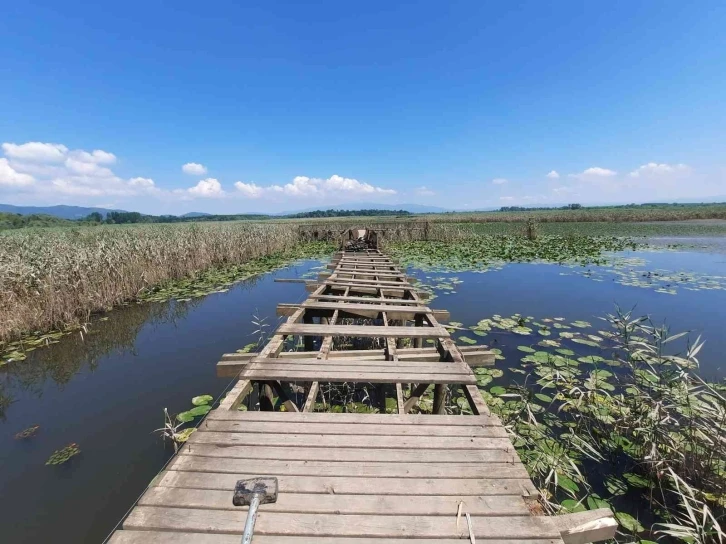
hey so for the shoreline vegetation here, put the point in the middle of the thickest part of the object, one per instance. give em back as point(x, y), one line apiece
point(571, 213)
point(53, 280)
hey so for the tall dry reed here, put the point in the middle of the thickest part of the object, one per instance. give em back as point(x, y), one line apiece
point(52, 278)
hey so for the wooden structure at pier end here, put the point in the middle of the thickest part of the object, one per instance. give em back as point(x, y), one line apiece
point(354, 478)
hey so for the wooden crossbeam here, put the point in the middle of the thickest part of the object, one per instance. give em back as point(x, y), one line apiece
point(361, 331)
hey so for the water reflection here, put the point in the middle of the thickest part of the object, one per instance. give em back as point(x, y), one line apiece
point(82, 350)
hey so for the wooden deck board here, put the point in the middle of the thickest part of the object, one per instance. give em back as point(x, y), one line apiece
point(361, 331)
point(176, 537)
point(299, 524)
point(502, 505)
point(348, 478)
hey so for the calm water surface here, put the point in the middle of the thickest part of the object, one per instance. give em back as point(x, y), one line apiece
point(107, 391)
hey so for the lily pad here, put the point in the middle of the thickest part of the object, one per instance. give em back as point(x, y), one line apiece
point(201, 400)
point(636, 480)
point(467, 340)
point(581, 324)
point(629, 522)
point(497, 390)
point(615, 485)
point(526, 349)
point(565, 351)
point(184, 435)
point(200, 410)
point(184, 417)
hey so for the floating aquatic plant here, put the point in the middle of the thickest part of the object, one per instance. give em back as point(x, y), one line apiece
point(63, 455)
point(27, 433)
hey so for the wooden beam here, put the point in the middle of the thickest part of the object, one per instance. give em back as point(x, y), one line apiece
point(416, 394)
point(312, 395)
point(399, 399)
point(360, 331)
point(584, 527)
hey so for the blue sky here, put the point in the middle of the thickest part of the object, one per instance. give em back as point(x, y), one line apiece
point(289, 105)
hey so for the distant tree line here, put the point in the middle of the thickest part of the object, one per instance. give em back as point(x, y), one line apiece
point(346, 213)
point(522, 209)
point(123, 218)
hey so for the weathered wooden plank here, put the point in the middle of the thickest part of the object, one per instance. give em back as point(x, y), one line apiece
point(347, 441)
point(372, 429)
point(335, 279)
point(176, 537)
point(399, 399)
point(502, 505)
point(353, 454)
point(231, 366)
point(269, 467)
point(404, 353)
point(477, 404)
point(583, 527)
point(346, 364)
point(374, 299)
point(277, 523)
point(345, 272)
point(350, 486)
point(354, 307)
point(312, 395)
point(360, 331)
point(374, 376)
point(236, 395)
point(377, 419)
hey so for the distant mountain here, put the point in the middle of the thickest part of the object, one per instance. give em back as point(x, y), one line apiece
point(64, 212)
point(411, 208)
point(196, 214)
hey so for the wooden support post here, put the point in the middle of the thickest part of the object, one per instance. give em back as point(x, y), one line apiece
point(308, 341)
point(399, 399)
point(312, 395)
point(236, 395)
point(418, 322)
point(416, 394)
point(290, 406)
point(439, 398)
point(266, 397)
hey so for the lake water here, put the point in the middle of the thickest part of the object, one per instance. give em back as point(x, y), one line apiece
point(106, 392)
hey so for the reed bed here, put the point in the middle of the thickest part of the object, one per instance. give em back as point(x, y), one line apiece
point(55, 278)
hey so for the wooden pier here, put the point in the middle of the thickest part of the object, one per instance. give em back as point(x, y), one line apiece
point(355, 478)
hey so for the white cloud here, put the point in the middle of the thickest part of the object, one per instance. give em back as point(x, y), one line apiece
point(97, 156)
point(553, 175)
point(194, 168)
point(10, 177)
point(53, 169)
point(207, 188)
point(250, 190)
point(303, 186)
point(500, 181)
point(141, 182)
point(424, 191)
point(654, 169)
point(595, 172)
point(35, 151)
point(506, 198)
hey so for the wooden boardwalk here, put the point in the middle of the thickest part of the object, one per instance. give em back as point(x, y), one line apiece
point(354, 478)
